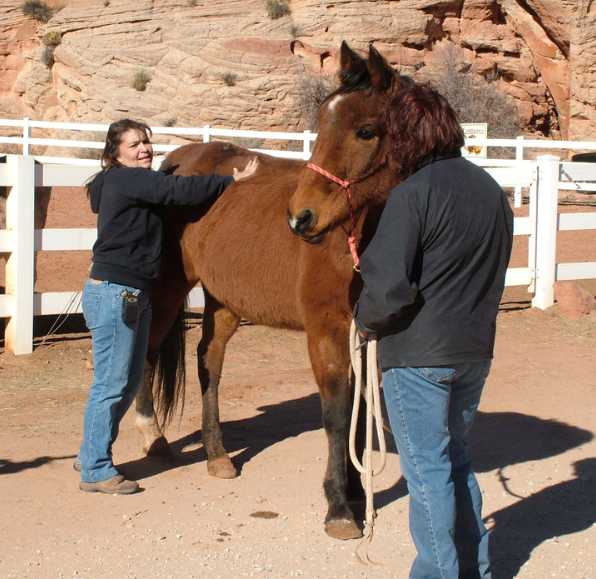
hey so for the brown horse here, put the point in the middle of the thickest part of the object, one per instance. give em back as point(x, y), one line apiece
point(252, 267)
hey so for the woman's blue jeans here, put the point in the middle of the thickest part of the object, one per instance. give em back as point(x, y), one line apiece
point(431, 411)
point(119, 352)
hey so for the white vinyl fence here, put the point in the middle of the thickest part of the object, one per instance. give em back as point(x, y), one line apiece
point(20, 240)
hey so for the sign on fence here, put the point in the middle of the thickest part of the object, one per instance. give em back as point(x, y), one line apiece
point(475, 131)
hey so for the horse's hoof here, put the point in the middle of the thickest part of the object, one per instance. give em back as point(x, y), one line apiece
point(221, 467)
point(159, 448)
point(343, 529)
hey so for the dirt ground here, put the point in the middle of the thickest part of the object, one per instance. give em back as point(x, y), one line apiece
point(533, 445)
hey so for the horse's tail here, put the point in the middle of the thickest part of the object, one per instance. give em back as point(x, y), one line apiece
point(171, 371)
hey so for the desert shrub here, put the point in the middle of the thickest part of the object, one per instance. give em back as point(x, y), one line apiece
point(312, 91)
point(52, 38)
point(170, 122)
point(37, 9)
point(476, 99)
point(277, 8)
point(192, 2)
point(47, 56)
point(295, 31)
point(140, 80)
point(229, 78)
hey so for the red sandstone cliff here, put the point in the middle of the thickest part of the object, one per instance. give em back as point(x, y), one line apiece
point(227, 63)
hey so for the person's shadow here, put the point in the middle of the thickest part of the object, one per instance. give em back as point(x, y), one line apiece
point(561, 509)
point(502, 439)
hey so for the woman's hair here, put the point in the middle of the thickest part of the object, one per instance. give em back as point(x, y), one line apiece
point(421, 125)
point(114, 138)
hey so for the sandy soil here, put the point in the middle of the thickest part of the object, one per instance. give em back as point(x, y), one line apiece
point(533, 446)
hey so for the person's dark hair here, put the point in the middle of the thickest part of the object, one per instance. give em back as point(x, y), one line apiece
point(114, 138)
point(421, 125)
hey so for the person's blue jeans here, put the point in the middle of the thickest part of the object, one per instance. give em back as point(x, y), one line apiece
point(431, 411)
point(119, 351)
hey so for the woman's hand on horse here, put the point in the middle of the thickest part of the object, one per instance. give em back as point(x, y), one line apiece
point(248, 171)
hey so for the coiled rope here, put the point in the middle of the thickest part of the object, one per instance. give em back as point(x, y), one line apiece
point(373, 410)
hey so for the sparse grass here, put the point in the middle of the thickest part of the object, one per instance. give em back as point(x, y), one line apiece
point(37, 10)
point(52, 38)
point(312, 91)
point(277, 8)
point(229, 78)
point(140, 80)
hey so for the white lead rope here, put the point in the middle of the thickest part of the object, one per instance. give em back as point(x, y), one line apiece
point(373, 409)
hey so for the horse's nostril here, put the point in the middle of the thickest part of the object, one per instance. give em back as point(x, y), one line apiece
point(304, 221)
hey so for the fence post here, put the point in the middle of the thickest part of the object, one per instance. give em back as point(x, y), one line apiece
point(546, 231)
point(26, 136)
point(306, 145)
point(20, 211)
point(206, 136)
point(519, 156)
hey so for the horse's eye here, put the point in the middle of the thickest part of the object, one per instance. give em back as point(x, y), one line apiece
point(365, 133)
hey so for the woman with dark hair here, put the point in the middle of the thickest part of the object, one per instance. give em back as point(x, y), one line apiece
point(433, 277)
point(127, 196)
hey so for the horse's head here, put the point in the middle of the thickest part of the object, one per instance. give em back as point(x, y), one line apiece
point(351, 146)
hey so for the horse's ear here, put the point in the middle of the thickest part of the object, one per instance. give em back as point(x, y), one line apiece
point(353, 69)
point(381, 73)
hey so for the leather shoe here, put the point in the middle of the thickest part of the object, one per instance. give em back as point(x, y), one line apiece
point(117, 485)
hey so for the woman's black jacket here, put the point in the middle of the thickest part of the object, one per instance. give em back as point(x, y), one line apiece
point(434, 271)
point(129, 226)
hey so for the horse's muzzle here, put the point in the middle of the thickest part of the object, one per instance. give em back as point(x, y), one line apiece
point(302, 223)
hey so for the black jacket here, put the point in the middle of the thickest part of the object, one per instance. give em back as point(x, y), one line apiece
point(129, 226)
point(434, 271)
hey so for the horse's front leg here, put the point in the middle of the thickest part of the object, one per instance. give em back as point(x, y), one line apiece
point(219, 324)
point(330, 361)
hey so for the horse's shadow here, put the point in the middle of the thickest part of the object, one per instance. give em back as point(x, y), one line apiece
point(244, 438)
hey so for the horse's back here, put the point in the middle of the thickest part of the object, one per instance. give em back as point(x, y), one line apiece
point(242, 250)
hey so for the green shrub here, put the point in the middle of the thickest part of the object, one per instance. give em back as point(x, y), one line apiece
point(229, 78)
point(277, 8)
point(52, 38)
point(140, 80)
point(37, 9)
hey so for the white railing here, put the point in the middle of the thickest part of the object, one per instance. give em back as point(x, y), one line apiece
point(20, 240)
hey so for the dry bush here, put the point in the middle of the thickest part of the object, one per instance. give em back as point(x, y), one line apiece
point(312, 91)
point(47, 56)
point(474, 98)
point(37, 10)
point(229, 78)
point(277, 8)
point(140, 80)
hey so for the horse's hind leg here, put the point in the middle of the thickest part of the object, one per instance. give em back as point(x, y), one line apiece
point(329, 356)
point(167, 303)
point(219, 325)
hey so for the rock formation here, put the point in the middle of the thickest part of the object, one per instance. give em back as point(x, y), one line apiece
point(229, 64)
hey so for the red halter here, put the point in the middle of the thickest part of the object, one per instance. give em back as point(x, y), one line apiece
point(352, 240)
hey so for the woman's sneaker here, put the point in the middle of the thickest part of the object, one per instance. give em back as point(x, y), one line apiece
point(117, 485)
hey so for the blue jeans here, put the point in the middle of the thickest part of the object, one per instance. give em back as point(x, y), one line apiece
point(119, 352)
point(431, 411)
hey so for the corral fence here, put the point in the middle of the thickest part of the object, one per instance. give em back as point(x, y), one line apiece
point(542, 178)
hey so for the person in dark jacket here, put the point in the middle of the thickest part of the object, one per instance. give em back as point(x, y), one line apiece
point(127, 196)
point(433, 276)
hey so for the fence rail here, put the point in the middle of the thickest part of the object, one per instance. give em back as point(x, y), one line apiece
point(20, 240)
